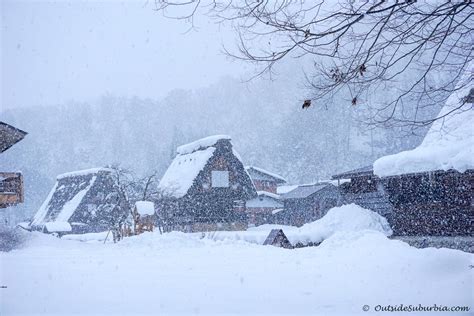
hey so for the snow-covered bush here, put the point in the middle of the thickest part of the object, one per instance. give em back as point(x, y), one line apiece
point(10, 238)
point(346, 218)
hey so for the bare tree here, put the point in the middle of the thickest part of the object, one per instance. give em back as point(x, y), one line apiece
point(418, 49)
point(128, 189)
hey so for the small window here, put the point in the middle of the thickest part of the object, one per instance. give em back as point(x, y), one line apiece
point(220, 179)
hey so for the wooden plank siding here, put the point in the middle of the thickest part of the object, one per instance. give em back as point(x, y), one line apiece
point(11, 189)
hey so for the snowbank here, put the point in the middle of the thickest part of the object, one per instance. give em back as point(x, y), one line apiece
point(346, 218)
point(449, 143)
point(201, 144)
point(90, 237)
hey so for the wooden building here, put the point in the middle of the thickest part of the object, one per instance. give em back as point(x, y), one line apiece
point(260, 209)
point(205, 188)
point(11, 189)
point(265, 180)
point(11, 183)
point(362, 187)
point(81, 202)
point(435, 203)
point(307, 203)
point(430, 203)
point(431, 186)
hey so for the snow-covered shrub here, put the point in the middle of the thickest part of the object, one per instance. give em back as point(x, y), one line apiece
point(346, 218)
point(10, 238)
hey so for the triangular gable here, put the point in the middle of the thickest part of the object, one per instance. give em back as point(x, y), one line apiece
point(9, 136)
point(262, 174)
point(278, 238)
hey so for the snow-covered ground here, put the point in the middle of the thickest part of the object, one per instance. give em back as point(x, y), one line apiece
point(181, 273)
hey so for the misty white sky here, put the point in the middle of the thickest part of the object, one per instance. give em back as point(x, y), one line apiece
point(56, 51)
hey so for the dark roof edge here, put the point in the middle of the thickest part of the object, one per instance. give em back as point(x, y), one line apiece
point(15, 128)
point(364, 171)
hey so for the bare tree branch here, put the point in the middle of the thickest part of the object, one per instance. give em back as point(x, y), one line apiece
point(420, 47)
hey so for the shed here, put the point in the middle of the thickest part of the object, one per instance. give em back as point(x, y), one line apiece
point(144, 216)
point(278, 238)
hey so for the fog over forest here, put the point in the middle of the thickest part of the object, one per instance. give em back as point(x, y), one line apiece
point(264, 118)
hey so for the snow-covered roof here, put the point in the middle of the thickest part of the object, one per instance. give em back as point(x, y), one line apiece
point(84, 172)
point(24, 225)
point(58, 226)
point(252, 169)
point(269, 194)
point(201, 144)
point(304, 191)
point(191, 159)
point(63, 199)
point(276, 211)
point(282, 189)
point(145, 207)
point(180, 175)
point(449, 143)
point(364, 171)
point(265, 199)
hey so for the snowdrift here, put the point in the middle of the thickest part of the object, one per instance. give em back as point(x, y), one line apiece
point(346, 218)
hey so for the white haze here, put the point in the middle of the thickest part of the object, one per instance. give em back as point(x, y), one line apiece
point(57, 51)
point(151, 100)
